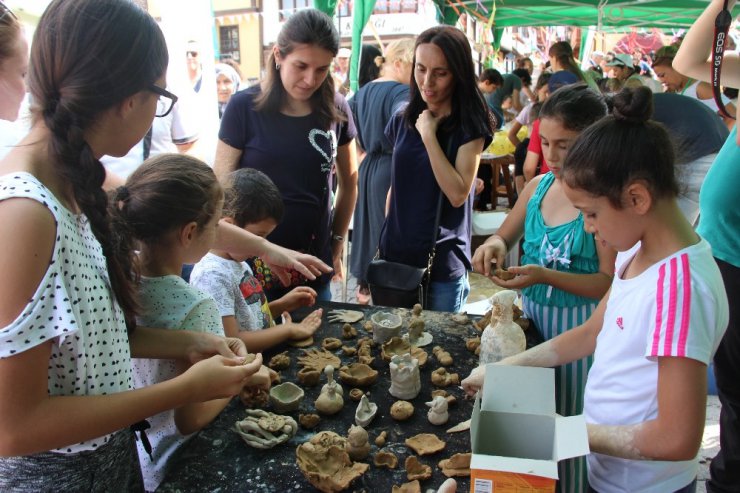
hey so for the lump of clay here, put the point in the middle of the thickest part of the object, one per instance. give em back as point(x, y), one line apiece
point(505, 338)
point(309, 421)
point(368, 326)
point(348, 332)
point(385, 326)
point(473, 345)
point(397, 346)
point(330, 400)
point(279, 361)
point(349, 351)
point(346, 316)
point(254, 397)
point(405, 379)
point(438, 414)
point(365, 412)
point(309, 377)
point(416, 310)
point(410, 487)
point(380, 439)
point(318, 359)
point(460, 318)
point(417, 470)
point(263, 430)
point(441, 378)
point(358, 446)
point(301, 343)
point(364, 351)
point(358, 375)
point(402, 410)
point(286, 397)
point(356, 394)
point(324, 461)
point(444, 358)
point(385, 459)
point(504, 274)
point(457, 465)
point(331, 343)
point(425, 444)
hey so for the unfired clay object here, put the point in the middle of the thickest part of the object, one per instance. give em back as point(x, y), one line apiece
point(504, 338)
point(302, 342)
point(356, 394)
point(473, 345)
point(330, 400)
point(385, 326)
point(279, 361)
point(441, 378)
point(464, 426)
point(309, 377)
point(410, 487)
point(324, 461)
point(444, 358)
point(416, 310)
point(504, 274)
point(385, 459)
point(451, 399)
point(425, 444)
point(405, 380)
point(365, 412)
point(402, 410)
point(348, 332)
point(331, 383)
point(358, 446)
point(318, 359)
point(396, 345)
point(349, 351)
point(263, 430)
point(364, 351)
point(286, 397)
point(309, 421)
point(368, 326)
point(417, 470)
point(438, 414)
point(380, 439)
point(416, 335)
point(358, 375)
point(457, 465)
point(254, 397)
point(460, 318)
point(346, 316)
point(331, 343)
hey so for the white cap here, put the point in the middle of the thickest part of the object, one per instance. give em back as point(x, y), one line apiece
point(344, 53)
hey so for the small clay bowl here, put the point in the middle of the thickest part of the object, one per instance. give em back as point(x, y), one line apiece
point(286, 397)
point(385, 326)
point(358, 375)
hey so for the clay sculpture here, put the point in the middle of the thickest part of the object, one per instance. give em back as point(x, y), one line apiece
point(405, 380)
point(444, 358)
point(318, 359)
point(349, 351)
point(385, 459)
point(263, 430)
point(402, 410)
point(345, 316)
point(473, 345)
point(330, 400)
point(331, 383)
point(325, 463)
point(460, 318)
point(309, 377)
point(309, 421)
point(504, 338)
point(380, 439)
point(451, 399)
point(385, 326)
point(457, 465)
point(368, 326)
point(438, 414)
point(356, 394)
point(425, 444)
point(396, 345)
point(358, 375)
point(441, 378)
point(254, 397)
point(358, 446)
point(416, 310)
point(365, 412)
point(286, 397)
point(417, 470)
point(416, 335)
point(364, 351)
point(348, 332)
point(279, 361)
point(331, 343)
point(410, 487)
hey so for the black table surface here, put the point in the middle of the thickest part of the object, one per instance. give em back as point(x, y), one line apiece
point(217, 459)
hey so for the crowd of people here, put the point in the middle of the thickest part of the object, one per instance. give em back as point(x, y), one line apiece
point(629, 264)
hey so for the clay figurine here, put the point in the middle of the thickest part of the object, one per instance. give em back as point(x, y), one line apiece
point(324, 461)
point(348, 332)
point(441, 378)
point(504, 338)
point(358, 446)
point(330, 400)
point(438, 414)
point(385, 326)
point(365, 412)
point(263, 430)
point(345, 316)
point(402, 410)
point(416, 335)
point(444, 358)
point(405, 381)
point(330, 382)
point(416, 310)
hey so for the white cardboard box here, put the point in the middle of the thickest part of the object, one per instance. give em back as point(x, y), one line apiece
point(516, 436)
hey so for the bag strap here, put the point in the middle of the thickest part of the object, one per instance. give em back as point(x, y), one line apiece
point(448, 152)
point(721, 27)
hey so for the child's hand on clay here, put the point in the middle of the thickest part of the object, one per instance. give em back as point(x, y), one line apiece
point(306, 327)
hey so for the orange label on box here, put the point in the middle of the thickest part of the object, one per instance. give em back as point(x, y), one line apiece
point(485, 481)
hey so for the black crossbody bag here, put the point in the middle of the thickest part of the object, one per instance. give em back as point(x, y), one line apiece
point(402, 285)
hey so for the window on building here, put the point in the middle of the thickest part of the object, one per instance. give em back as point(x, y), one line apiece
point(229, 43)
point(289, 7)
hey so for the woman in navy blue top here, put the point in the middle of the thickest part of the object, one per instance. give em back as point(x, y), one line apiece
point(296, 129)
point(446, 114)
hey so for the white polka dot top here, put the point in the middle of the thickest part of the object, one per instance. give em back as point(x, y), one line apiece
point(73, 307)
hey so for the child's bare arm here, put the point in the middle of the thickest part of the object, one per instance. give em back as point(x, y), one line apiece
point(295, 298)
point(260, 340)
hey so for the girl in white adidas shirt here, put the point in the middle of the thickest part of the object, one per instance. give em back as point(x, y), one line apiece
point(659, 325)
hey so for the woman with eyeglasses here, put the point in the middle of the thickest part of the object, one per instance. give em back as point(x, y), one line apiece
point(296, 129)
point(67, 301)
point(13, 68)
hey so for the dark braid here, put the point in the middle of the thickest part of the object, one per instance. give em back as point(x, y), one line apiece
point(87, 57)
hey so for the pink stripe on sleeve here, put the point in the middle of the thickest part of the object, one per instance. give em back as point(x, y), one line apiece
point(672, 298)
point(659, 311)
point(685, 306)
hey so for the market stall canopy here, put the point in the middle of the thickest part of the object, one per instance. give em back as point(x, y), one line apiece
point(604, 13)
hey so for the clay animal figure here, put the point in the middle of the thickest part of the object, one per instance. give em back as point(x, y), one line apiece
point(365, 412)
point(504, 338)
point(358, 446)
point(405, 380)
point(438, 414)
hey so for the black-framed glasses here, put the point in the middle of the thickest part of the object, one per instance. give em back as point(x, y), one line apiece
point(6, 12)
point(165, 102)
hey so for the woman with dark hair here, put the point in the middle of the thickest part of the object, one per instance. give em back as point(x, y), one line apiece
point(437, 143)
point(371, 60)
point(565, 68)
point(13, 68)
point(296, 129)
